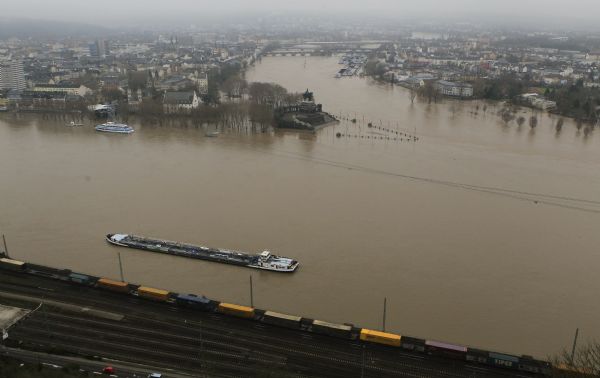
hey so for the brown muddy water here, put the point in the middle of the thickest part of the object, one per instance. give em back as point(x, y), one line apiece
point(478, 233)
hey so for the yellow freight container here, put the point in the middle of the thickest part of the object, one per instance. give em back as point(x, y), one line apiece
point(154, 294)
point(106, 283)
point(380, 337)
point(236, 310)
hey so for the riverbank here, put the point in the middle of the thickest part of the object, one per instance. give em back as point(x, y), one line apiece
point(575, 101)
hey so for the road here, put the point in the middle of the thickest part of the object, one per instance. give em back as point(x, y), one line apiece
point(122, 369)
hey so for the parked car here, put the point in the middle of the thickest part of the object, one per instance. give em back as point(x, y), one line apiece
point(108, 370)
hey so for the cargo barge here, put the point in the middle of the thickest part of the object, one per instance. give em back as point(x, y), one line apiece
point(265, 260)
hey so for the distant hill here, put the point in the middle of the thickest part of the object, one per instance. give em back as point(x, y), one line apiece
point(44, 29)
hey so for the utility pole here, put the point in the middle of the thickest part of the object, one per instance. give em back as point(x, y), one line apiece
point(362, 365)
point(251, 293)
point(121, 267)
point(5, 249)
point(574, 345)
point(45, 316)
point(384, 310)
point(202, 351)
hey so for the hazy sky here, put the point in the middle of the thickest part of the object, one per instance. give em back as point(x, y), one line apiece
point(105, 11)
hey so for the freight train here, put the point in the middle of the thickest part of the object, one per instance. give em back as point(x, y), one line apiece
point(525, 364)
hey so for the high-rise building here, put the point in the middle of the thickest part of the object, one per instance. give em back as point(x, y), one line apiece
point(12, 75)
point(99, 49)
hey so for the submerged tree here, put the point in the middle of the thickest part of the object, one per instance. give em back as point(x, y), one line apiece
point(520, 120)
point(429, 92)
point(412, 93)
point(559, 124)
point(533, 121)
point(506, 115)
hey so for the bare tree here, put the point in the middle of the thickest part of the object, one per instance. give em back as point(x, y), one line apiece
point(234, 86)
point(152, 107)
point(533, 121)
point(267, 93)
point(112, 94)
point(429, 92)
point(559, 124)
point(506, 115)
point(292, 98)
point(585, 361)
point(412, 93)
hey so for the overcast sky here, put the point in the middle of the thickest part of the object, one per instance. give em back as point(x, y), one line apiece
point(107, 11)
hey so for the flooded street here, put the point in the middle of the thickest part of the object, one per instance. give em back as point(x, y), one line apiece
point(477, 233)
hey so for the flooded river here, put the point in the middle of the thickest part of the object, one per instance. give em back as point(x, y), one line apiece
point(478, 233)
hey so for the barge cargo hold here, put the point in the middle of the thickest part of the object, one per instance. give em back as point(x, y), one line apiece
point(265, 260)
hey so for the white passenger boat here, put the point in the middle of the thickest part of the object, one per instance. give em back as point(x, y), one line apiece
point(112, 127)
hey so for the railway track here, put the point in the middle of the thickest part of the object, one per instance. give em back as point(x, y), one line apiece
point(149, 342)
point(190, 340)
point(156, 341)
point(81, 331)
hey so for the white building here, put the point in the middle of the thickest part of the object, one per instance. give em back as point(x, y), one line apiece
point(448, 88)
point(180, 102)
point(202, 82)
point(537, 101)
point(72, 89)
point(12, 75)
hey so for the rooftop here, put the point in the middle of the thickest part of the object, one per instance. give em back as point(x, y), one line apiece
point(186, 97)
point(63, 85)
point(453, 84)
point(10, 315)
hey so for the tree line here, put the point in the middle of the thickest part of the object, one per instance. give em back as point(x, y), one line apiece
point(576, 101)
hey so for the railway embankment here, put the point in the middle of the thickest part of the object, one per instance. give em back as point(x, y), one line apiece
point(83, 315)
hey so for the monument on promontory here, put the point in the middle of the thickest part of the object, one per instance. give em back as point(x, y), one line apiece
point(304, 115)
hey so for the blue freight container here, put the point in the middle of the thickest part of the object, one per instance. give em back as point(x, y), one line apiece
point(79, 278)
point(504, 360)
point(192, 300)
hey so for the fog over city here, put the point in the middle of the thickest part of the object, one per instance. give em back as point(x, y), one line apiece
point(108, 12)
